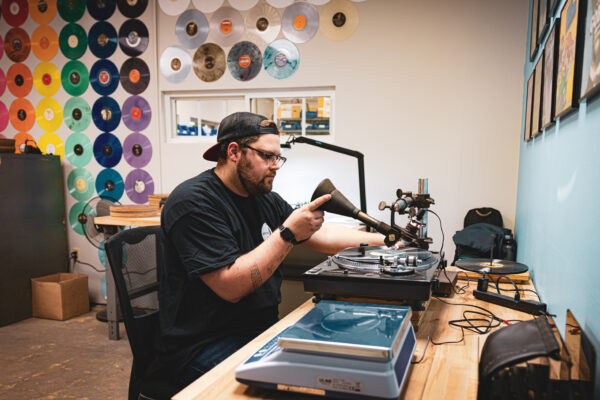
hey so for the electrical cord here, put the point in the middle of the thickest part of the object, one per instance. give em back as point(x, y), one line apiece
point(424, 351)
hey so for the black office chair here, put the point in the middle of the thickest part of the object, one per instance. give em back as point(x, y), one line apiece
point(134, 255)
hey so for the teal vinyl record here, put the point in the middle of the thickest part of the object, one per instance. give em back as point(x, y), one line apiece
point(281, 59)
point(110, 185)
point(78, 216)
point(80, 183)
point(71, 10)
point(72, 41)
point(78, 149)
point(75, 78)
point(77, 114)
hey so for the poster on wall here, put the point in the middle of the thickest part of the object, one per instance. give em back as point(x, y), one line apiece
point(534, 24)
point(527, 133)
point(590, 72)
point(549, 85)
point(543, 19)
point(537, 97)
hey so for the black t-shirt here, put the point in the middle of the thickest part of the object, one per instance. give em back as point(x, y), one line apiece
point(205, 226)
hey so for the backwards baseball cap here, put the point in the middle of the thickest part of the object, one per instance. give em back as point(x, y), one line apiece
point(239, 125)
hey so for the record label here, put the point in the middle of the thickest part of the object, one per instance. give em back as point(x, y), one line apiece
point(101, 9)
point(77, 114)
point(134, 75)
point(244, 61)
point(21, 114)
point(75, 78)
point(72, 41)
point(138, 185)
point(207, 6)
point(132, 8)
point(46, 79)
point(339, 20)
point(42, 11)
point(80, 184)
point(209, 62)
point(137, 150)
point(3, 116)
point(78, 216)
point(175, 64)
point(107, 150)
point(17, 44)
point(15, 11)
point(104, 77)
point(19, 80)
point(102, 39)
point(109, 185)
point(23, 139)
point(136, 113)
point(281, 59)
point(44, 43)
point(133, 37)
point(300, 22)
point(51, 143)
point(264, 22)
point(78, 149)
point(191, 29)
point(226, 26)
point(106, 114)
point(70, 10)
point(49, 114)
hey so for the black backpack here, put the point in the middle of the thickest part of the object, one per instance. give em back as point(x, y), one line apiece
point(486, 215)
point(481, 240)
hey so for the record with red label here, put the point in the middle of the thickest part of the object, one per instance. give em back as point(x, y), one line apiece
point(17, 44)
point(133, 37)
point(300, 22)
point(138, 185)
point(21, 115)
point(15, 11)
point(46, 79)
point(104, 77)
point(244, 61)
point(42, 11)
point(19, 80)
point(136, 113)
point(226, 26)
point(137, 150)
point(106, 114)
point(135, 75)
point(44, 43)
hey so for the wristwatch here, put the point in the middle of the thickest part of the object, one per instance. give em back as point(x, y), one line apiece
point(288, 235)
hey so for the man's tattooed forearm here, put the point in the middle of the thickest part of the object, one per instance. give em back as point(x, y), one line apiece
point(255, 276)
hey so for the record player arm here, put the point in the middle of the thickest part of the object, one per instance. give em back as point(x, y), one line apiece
point(332, 238)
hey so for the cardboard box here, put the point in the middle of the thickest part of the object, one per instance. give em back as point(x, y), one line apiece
point(60, 296)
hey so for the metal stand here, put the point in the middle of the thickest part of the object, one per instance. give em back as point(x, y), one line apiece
point(112, 301)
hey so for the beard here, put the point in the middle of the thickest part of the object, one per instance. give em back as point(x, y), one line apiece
point(253, 185)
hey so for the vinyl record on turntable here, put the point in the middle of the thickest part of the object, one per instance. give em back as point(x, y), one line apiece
point(136, 113)
point(137, 150)
point(133, 37)
point(102, 39)
point(300, 22)
point(281, 59)
point(264, 21)
point(21, 140)
point(107, 150)
point(403, 261)
point(19, 80)
point(78, 149)
point(72, 41)
point(243, 5)
point(101, 9)
point(46, 79)
point(15, 11)
point(191, 29)
point(49, 114)
point(494, 266)
point(134, 75)
point(106, 114)
point(71, 10)
point(51, 143)
point(77, 114)
point(17, 44)
point(173, 7)
point(226, 26)
point(175, 64)
point(132, 8)
point(339, 20)
point(104, 77)
point(109, 185)
point(44, 43)
point(244, 61)
point(75, 78)
point(138, 185)
point(21, 115)
point(80, 183)
point(42, 11)
point(207, 6)
point(3, 116)
point(209, 62)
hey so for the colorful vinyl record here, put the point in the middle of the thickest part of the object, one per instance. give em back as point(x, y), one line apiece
point(15, 12)
point(80, 183)
point(44, 43)
point(107, 150)
point(1, 47)
point(175, 64)
point(42, 11)
point(191, 29)
point(23, 139)
point(101, 9)
point(281, 59)
point(46, 79)
point(135, 75)
point(226, 26)
point(71, 10)
point(207, 6)
point(132, 8)
point(300, 22)
point(137, 150)
point(78, 216)
point(133, 37)
point(21, 115)
point(19, 80)
point(75, 78)
point(339, 20)
point(264, 22)
point(109, 185)
point(17, 44)
point(102, 39)
point(78, 149)
point(243, 5)
point(136, 113)
point(244, 61)
point(104, 77)
point(51, 143)
point(138, 185)
point(72, 41)
point(173, 7)
point(77, 114)
point(106, 114)
point(2, 82)
point(49, 114)
point(209, 62)
point(280, 3)
point(3, 116)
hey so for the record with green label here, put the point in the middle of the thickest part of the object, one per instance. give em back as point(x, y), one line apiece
point(71, 10)
point(80, 183)
point(77, 114)
point(78, 149)
point(72, 41)
point(75, 78)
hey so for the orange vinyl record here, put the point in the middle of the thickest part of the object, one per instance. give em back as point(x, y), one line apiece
point(21, 139)
point(19, 80)
point(44, 43)
point(21, 114)
point(42, 11)
point(17, 45)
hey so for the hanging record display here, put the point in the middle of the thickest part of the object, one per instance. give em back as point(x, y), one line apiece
point(135, 75)
point(244, 61)
point(21, 115)
point(80, 184)
point(101, 9)
point(44, 43)
point(281, 59)
point(136, 113)
point(17, 44)
point(15, 12)
point(2, 82)
point(104, 77)
point(19, 80)
point(51, 143)
point(3, 116)
point(102, 39)
point(72, 41)
point(173, 7)
point(46, 79)
point(107, 150)
point(78, 215)
point(209, 62)
point(109, 185)
point(280, 3)
point(75, 78)
point(132, 8)
point(300, 22)
point(264, 21)
point(21, 140)
point(78, 149)
point(49, 114)
point(42, 11)
point(71, 10)
point(226, 26)
point(191, 29)
point(106, 114)
point(137, 150)
point(175, 64)
point(243, 5)
point(77, 114)
point(133, 37)
point(207, 6)
point(339, 20)
point(138, 185)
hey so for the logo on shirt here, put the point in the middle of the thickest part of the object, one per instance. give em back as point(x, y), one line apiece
point(265, 231)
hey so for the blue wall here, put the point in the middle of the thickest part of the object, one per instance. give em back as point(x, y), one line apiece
point(558, 214)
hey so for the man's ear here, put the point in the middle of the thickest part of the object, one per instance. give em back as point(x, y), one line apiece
point(234, 152)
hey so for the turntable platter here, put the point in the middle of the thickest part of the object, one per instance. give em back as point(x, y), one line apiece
point(384, 259)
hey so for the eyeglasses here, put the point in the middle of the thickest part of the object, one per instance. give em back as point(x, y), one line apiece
point(269, 158)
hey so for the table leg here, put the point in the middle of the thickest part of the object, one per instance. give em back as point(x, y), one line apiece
point(112, 300)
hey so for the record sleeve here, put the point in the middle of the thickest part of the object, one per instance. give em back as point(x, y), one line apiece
point(138, 185)
point(15, 12)
point(44, 43)
point(17, 44)
point(134, 75)
point(300, 22)
point(104, 77)
point(21, 115)
point(101, 9)
point(77, 114)
point(226, 26)
point(209, 62)
point(109, 185)
point(244, 61)
point(132, 8)
point(102, 39)
point(42, 11)
point(137, 150)
point(75, 78)
point(175, 64)
point(71, 10)
point(136, 113)
point(51, 143)
point(49, 114)
point(19, 80)
point(106, 114)
point(46, 79)
point(191, 29)
point(72, 41)
point(133, 37)
point(78, 149)
point(281, 59)
point(107, 150)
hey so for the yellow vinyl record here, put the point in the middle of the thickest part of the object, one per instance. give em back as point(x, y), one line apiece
point(51, 143)
point(46, 79)
point(338, 20)
point(23, 139)
point(42, 11)
point(44, 43)
point(48, 114)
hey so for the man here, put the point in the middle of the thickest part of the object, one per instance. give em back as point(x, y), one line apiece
point(225, 233)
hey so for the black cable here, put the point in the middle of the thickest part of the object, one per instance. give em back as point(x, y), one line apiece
point(424, 351)
point(493, 286)
point(89, 265)
point(441, 229)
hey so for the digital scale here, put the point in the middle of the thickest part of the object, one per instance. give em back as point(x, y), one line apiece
point(338, 349)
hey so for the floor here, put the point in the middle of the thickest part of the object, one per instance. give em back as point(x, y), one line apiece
point(73, 359)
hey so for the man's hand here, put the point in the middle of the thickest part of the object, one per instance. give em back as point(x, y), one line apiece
point(307, 219)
